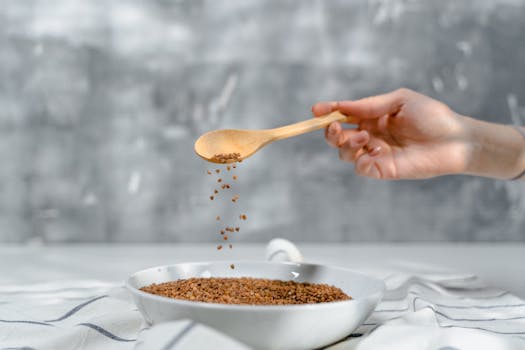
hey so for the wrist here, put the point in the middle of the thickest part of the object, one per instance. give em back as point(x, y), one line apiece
point(521, 174)
point(492, 150)
point(473, 147)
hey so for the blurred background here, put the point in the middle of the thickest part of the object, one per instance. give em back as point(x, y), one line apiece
point(101, 102)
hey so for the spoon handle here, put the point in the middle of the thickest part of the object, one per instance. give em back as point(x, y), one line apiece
point(308, 125)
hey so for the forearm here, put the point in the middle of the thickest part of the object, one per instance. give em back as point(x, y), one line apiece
point(495, 150)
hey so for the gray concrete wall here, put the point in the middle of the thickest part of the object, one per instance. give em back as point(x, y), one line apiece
point(101, 101)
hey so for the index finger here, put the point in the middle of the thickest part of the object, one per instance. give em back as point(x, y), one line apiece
point(375, 106)
point(322, 108)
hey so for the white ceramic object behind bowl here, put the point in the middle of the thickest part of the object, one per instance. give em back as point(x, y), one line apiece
point(265, 327)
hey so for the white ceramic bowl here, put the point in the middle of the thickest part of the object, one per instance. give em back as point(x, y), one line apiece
point(264, 326)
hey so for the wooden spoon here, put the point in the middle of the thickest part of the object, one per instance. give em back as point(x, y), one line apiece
point(247, 142)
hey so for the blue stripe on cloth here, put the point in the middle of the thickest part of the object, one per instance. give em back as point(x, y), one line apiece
point(464, 319)
point(377, 324)
point(105, 332)
point(483, 329)
point(456, 297)
point(28, 322)
point(478, 306)
point(173, 342)
point(76, 309)
point(476, 319)
point(454, 326)
point(392, 310)
point(419, 297)
point(457, 306)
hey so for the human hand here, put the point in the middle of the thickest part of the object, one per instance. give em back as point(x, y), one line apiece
point(400, 135)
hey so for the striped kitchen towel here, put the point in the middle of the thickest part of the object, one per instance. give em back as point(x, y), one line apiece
point(440, 312)
point(82, 314)
point(429, 311)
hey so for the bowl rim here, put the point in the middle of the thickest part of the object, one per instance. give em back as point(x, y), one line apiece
point(254, 307)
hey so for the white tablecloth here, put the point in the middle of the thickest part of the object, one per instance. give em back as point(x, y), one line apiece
point(419, 311)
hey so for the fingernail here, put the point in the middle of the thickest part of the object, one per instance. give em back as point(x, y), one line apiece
point(375, 151)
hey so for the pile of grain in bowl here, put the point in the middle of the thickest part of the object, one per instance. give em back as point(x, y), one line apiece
point(247, 291)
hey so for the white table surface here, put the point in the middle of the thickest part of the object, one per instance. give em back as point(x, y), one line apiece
point(498, 264)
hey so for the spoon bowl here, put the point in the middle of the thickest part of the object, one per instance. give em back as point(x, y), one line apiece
point(227, 141)
point(247, 142)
